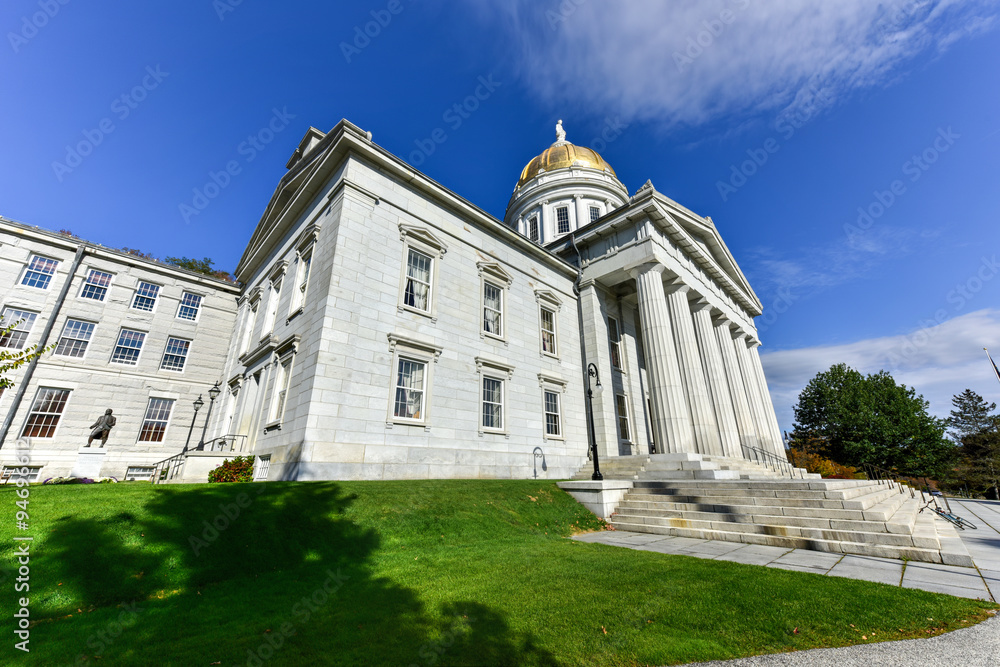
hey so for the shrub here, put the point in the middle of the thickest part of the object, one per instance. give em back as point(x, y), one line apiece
point(240, 469)
point(813, 462)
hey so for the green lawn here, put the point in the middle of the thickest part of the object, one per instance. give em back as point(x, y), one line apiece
point(404, 573)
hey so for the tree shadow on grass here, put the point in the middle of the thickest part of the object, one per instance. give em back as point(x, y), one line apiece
point(243, 574)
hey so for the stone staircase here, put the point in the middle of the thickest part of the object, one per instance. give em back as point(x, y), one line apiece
point(689, 466)
point(689, 495)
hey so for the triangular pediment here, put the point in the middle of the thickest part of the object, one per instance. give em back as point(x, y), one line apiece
point(422, 235)
point(495, 270)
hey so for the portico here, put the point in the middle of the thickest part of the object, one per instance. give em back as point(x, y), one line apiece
point(660, 278)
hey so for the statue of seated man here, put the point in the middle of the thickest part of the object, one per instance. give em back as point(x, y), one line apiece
point(101, 428)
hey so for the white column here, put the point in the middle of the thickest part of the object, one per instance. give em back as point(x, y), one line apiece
point(706, 430)
point(671, 419)
point(753, 393)
point(772, 419)
point(718, 387)
point(737, 388)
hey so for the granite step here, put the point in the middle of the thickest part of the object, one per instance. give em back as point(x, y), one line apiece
point(866, 548)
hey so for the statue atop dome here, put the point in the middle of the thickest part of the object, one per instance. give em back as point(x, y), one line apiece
point(560, 132)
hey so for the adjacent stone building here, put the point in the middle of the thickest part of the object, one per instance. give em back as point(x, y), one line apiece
point(386, 328)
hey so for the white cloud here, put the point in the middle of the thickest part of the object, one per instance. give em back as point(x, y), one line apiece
point(689, 62)
point(938, 360)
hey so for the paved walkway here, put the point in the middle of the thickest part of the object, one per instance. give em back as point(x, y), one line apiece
point(983, 544)
point(969, 647)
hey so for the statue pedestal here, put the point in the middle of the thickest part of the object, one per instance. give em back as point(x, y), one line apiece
point(88, 462)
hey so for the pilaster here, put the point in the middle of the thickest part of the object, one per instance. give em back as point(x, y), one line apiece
point(595, 341)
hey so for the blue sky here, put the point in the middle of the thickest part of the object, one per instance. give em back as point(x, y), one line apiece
point(848, 152)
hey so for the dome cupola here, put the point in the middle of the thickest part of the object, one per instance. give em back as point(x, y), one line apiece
point(564, 188)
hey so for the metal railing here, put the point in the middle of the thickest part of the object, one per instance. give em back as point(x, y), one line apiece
point(168, 469)
point(882, 476)
point(224, 443)
point(770, 460)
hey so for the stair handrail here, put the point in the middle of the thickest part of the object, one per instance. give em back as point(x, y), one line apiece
point(223, 443)
point(168, 468)
point(881, 475)
point(771, 460)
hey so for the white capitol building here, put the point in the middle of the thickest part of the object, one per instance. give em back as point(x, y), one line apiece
point(386, 328)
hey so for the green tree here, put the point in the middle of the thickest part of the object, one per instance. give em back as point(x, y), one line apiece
point(12, 360)
point(871, 420)
point(203, 266)
point(977, 430)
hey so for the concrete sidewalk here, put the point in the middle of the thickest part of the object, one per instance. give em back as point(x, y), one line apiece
point(982, 581)
point(969, 647)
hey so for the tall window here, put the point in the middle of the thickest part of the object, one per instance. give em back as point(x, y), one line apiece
point(614, 336)
point(75, 338)
point(492, 309)
point(418, 280)
point(145, 296)
point(548, 318)
point(299, 295)
point(621, 407)
point(533, 228)
point(39, 272)
point(250, 324)
point(128, 348)
point(272, 307)
point(281, 387)
point(492, 403)
point(552, 413)
point(595, 213)
point(190, 305)
point(43, 418)
point(175, 354)
point(562, 220)
point(154, 424)
point(96, 285)
point(411, 379)
point(22, 321)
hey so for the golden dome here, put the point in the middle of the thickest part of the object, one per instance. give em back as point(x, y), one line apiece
point(560, 155)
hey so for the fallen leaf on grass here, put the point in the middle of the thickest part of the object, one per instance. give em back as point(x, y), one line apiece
point(603, 630)
point(795, 631)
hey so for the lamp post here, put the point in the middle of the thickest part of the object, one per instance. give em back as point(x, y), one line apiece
point(592, 373)
point(213, 393)
point(197, 406)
